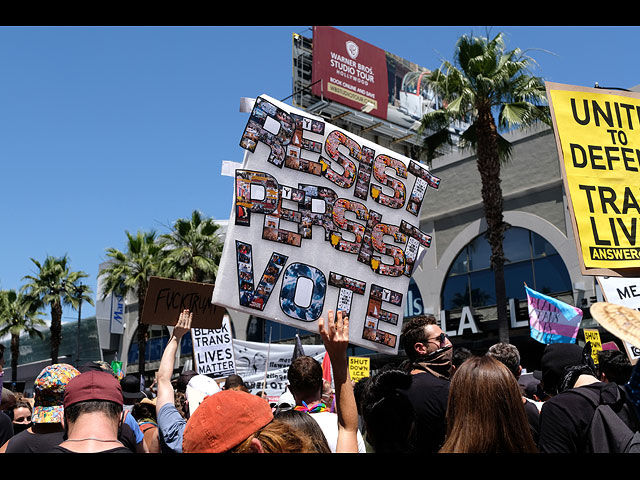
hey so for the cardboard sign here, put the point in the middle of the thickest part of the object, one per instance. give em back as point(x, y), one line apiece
point(323, 220)
point(167, 298)
point(213, 350)
point(598, 138)
point(359, 368)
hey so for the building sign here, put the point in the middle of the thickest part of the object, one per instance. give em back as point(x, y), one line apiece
point(361, 76)
point(323, 220)
point(598, 137)
point(110, 308)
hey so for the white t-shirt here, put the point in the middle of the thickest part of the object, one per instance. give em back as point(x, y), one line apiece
point(328, 422)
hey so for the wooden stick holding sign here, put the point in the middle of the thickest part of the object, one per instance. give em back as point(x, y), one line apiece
point(166, 298)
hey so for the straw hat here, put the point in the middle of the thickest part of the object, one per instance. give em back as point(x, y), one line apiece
point(623, 322)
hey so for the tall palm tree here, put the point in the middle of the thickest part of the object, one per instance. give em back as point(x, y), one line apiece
point(192, 249)
point(55, 285)
point(486, 80)
point(129, 271)
point(18, 315)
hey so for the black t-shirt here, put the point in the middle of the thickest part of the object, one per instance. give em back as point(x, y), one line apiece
point(533, 416)
point(428, 394)
point(565, 419)
point(28, 442)
point(6, 428)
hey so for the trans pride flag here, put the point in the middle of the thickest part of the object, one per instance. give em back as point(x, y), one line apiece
point(551, 320)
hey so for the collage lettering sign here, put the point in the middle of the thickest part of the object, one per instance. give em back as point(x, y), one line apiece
point(322, 220)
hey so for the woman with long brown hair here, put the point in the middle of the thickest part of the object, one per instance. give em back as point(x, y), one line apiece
point(485, 411)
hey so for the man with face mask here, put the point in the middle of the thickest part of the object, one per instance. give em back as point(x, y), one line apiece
point(430, 354)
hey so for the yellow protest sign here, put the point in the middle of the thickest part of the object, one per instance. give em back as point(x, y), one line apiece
point(598, 137)
point(593, 336)
point(359, 368)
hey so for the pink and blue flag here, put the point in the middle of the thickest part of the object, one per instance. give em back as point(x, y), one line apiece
point(551, 320)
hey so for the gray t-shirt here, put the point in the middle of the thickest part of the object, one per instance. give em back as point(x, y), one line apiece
point(170, 427)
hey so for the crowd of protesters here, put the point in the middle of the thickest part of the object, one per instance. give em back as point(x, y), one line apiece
point(441, 399)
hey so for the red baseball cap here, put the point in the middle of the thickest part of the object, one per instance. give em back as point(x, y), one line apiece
point(93, 385)
point(224, 420)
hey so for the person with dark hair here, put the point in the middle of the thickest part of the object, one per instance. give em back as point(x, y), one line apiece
point(235, 382)
point(144, 413)
point(569, 378)
point(305, 384)
point(614, 366)
point(92, 411)
point(22, 412)
point(387, 414)
point(509, 355)
point(429, 353)
point(485, 413)
point(47, 416)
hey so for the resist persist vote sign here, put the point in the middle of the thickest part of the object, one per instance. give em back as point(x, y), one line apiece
point(322, 219)
point(598, 137)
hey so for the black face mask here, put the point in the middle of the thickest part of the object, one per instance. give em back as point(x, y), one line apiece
point(21, 427)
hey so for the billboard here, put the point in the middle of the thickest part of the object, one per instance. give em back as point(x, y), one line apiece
point(322, 220)
point(355, 73)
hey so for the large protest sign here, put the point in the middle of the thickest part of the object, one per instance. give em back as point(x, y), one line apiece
point(213, 350)
point(598, 138)
point(167, 297)
point(322, 219)
point(626, 292)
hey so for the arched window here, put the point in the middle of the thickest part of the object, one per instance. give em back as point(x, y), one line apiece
point(529, 259)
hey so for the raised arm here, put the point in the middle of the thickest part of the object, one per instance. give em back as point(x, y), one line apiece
point(335, 336)
point(165, 370)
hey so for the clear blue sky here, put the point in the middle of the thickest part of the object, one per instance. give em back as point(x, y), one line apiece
point(107, 129)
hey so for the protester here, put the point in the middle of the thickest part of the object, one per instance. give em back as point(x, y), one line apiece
point(171, 422)
point(429, 353)
point(92, 412)
point(614, 366)
point(47, 416)
point(22, 412)
point(235, 382)
point(308, 427)
point(7, 402)
point(388, 416)
point(485, 411)
point(306, 384)
point(509, 355)
point(145, 414)
point(570, 380)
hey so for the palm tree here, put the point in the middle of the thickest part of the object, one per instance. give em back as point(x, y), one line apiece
point(129, 271)
point(18, 314)
point(193, 249)
point(484, 80)
point(55, 286)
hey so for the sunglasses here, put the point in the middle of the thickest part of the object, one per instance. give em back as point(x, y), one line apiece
point(441, 338)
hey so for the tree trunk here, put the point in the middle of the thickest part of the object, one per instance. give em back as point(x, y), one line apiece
point(489, 168)
point(15, 354)
point(142, 332)
point(56, 330)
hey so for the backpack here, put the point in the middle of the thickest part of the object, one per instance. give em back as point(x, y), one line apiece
point(614, 426)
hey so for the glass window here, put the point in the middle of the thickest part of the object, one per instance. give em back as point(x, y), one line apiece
point(530, 259)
